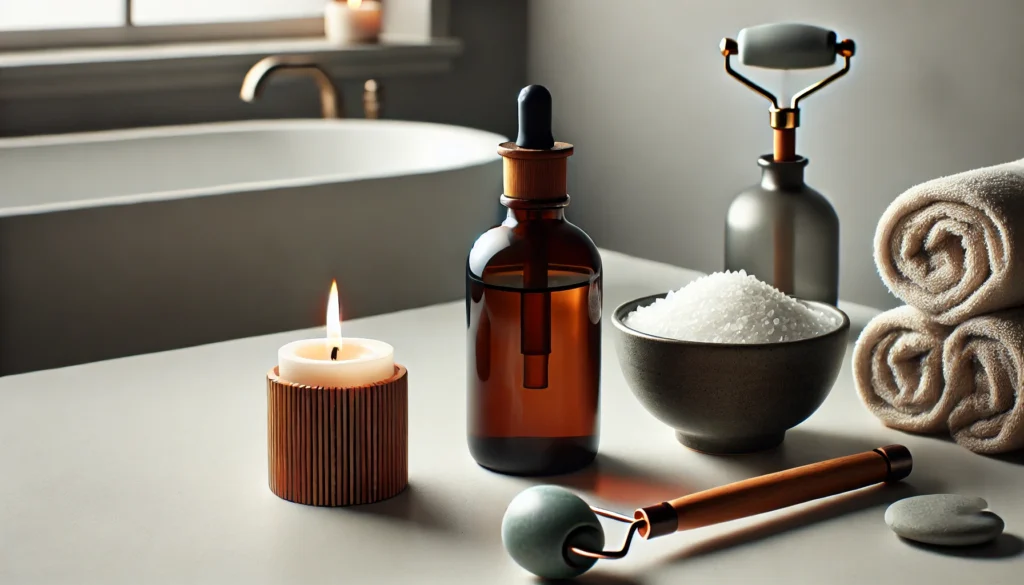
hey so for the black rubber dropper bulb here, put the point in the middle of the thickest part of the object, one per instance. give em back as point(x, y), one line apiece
point(535, 118)
point(535, 316)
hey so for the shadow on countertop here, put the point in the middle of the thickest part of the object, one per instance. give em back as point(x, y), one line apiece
point(1016, 457)
point(802, 446)
point(623, 483)
point(1003, 547)
point(595, 578)
point(1013, 457)
point(412, 506)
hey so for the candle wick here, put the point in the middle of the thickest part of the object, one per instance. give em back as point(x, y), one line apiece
point(334, 353)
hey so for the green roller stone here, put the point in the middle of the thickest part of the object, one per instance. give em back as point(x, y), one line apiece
point(540, 525)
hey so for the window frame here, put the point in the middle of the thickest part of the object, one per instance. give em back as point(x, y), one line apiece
point(129, 34)
point(67, 63)
point(132, 35)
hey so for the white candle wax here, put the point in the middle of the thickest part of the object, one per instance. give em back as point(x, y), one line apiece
point(352, 21)
point(334, 362)
point(359, 362)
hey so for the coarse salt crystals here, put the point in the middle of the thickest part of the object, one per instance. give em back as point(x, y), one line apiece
point(731, 307)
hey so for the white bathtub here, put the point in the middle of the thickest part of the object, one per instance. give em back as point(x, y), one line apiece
point(125, 242)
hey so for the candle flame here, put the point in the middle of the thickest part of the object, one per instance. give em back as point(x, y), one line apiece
point(333, 318)
point(354, 4)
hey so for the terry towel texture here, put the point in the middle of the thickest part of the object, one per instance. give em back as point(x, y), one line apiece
point(917, 375)
point(984, 366)
point(947, 246)
point(897, 368)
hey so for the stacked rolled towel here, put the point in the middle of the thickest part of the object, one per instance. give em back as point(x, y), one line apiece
point(953, 360)
point(897, 365)
point(949, 246)
point(983, 363)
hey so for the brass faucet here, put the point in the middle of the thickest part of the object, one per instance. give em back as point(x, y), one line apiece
point(255, 80)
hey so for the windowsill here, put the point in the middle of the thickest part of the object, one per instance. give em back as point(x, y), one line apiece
point(64, 72)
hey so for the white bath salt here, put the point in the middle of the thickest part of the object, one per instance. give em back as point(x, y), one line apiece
point(731, 307)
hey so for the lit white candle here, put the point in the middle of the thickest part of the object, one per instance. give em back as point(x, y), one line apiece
point(355, 361)
point(352, 21)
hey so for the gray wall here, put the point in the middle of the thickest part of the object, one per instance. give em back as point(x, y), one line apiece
point(664, 137)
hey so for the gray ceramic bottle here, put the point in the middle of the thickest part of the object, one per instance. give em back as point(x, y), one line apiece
point(785, 233)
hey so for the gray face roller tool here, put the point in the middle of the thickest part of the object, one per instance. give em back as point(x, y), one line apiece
point(787, 46)
point(554, 534)
point(783, 231)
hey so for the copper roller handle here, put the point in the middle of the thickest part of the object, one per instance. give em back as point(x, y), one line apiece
point(775, 491)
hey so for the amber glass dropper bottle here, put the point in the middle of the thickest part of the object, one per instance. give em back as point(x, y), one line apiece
point(533, 301)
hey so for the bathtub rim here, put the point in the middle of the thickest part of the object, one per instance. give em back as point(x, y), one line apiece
point(485, 158)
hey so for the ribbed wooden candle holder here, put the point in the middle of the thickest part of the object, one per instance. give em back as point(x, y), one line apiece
point(338, 446)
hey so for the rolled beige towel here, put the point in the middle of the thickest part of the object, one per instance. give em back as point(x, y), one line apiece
point(897, 368)
point(984, 364)
point(950, 246)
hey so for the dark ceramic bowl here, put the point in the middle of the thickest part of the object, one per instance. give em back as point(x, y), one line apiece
point(729, 398)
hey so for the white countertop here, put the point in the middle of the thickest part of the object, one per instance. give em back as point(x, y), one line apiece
point(152, 469)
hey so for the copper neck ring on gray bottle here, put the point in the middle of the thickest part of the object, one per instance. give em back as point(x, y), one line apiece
point(781, 174)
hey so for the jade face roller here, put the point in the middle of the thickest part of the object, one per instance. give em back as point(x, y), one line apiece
point(554, 534)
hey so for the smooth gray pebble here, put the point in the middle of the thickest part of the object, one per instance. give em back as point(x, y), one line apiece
point(944, 519)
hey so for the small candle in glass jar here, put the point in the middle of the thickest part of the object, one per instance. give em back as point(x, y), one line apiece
point(352, 21)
